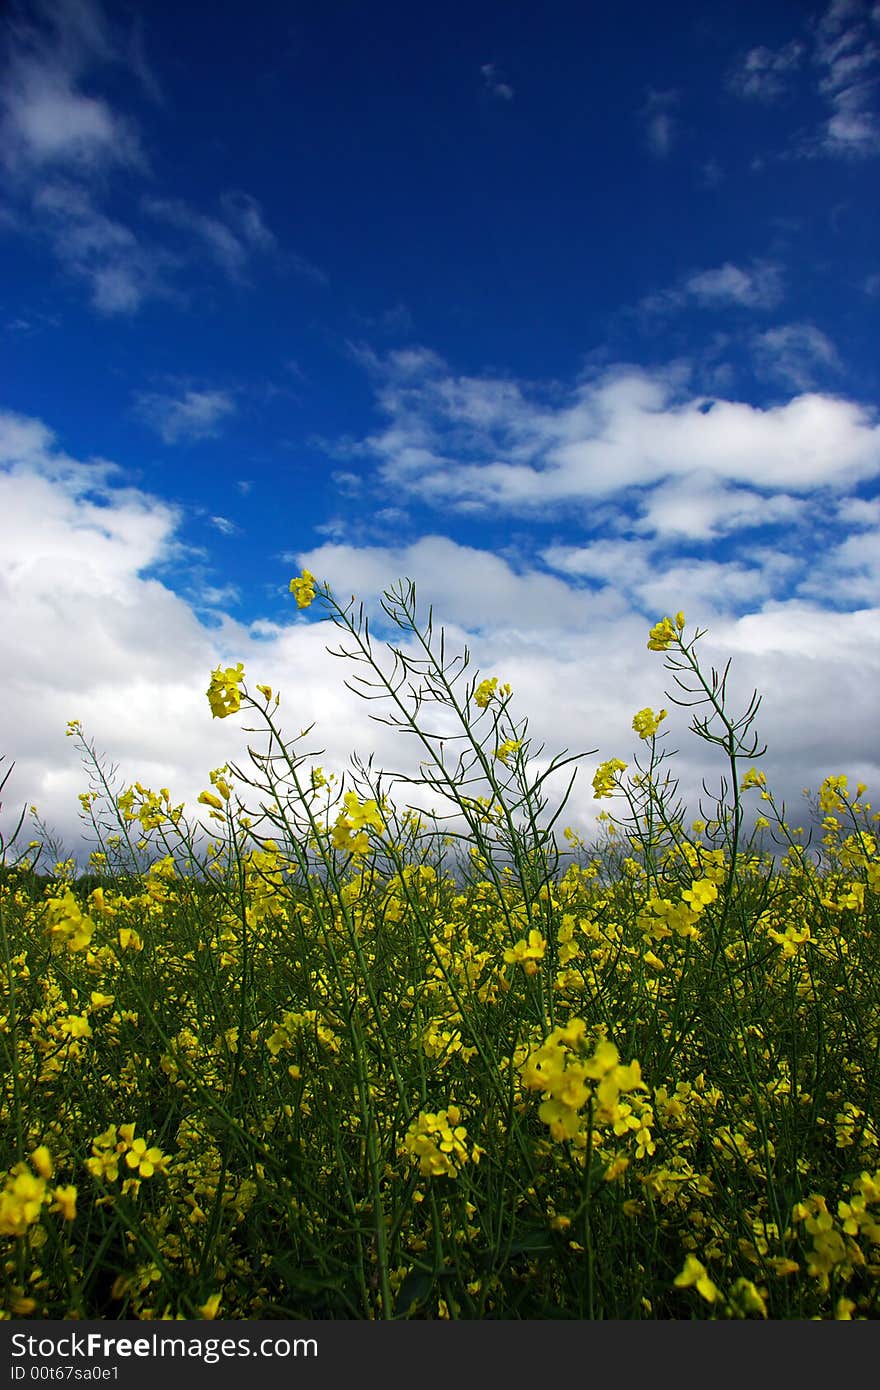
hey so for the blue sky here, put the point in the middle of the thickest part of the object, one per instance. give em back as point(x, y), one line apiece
point(567, 312)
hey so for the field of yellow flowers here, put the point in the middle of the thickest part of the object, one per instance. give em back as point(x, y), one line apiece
point(347, 1060)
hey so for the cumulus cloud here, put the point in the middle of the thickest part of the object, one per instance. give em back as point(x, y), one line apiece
point(578, 661)
point(187, 417)
point(100, 637)
point(489, 443)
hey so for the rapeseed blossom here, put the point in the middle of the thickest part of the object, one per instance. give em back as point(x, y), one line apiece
point(224, 695)
point(349, 830)
point(646, 722)
point(504, 750)
point(696, 1276)
point(604, 779)
point(486, 691)
point(440, 1143)
point(665, 632)
point(304, 588)
point(529, 953)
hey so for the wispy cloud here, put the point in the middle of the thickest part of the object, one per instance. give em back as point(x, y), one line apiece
point(60, 145)
point(494, 84)
point(230, 249)
point(190, 416)
point(48, 120)
point(847, 53)
point(659, 122)
point(797, 354)
point(757, 287)
point(120, 270)
point(765, 74)
point(842, 52)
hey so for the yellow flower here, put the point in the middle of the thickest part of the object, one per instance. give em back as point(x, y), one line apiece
point(484, 692)
point(604, 778)
point(42, 1161)
point(695, 1275)
point(210, 1309)
point(646, 722)
point(303, 588)
point(146, 1161)
point(224, 696)
point(504, 750)
point(662, 634)
point(21, 1201)
point(439, 1142)
point(527, 953)
point(65, 1202)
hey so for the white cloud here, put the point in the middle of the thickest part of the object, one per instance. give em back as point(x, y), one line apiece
point(46, 122)
point(120, 271)
point(60, 142)
point(47, 118)
point(483, 442)
point(842, 61)
point(757, 288)
point(494, 84)
point(855, 511)
point(847, 52)
point(193, 415)
point(847, 573)
point(699, 506)
point(230, 249)
point(659, 124)
point(797, 354)
point(764, 73)
point(245, 213)
point(98, 637)
point(651, 577)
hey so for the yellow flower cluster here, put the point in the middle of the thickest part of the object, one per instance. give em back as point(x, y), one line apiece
point(753, 778)
point(25, 1193)
point(293, 1024)
point(664, 633)
point(570, 1081)
point(646, 722)
point(529, 953)
point(304, 588)
point(350, 827)
point(117, 1145)
point(604, 779)
point(440, 1143)
point(224, 695)
point(67, 924)
point(504, 750)
point(486, 690)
